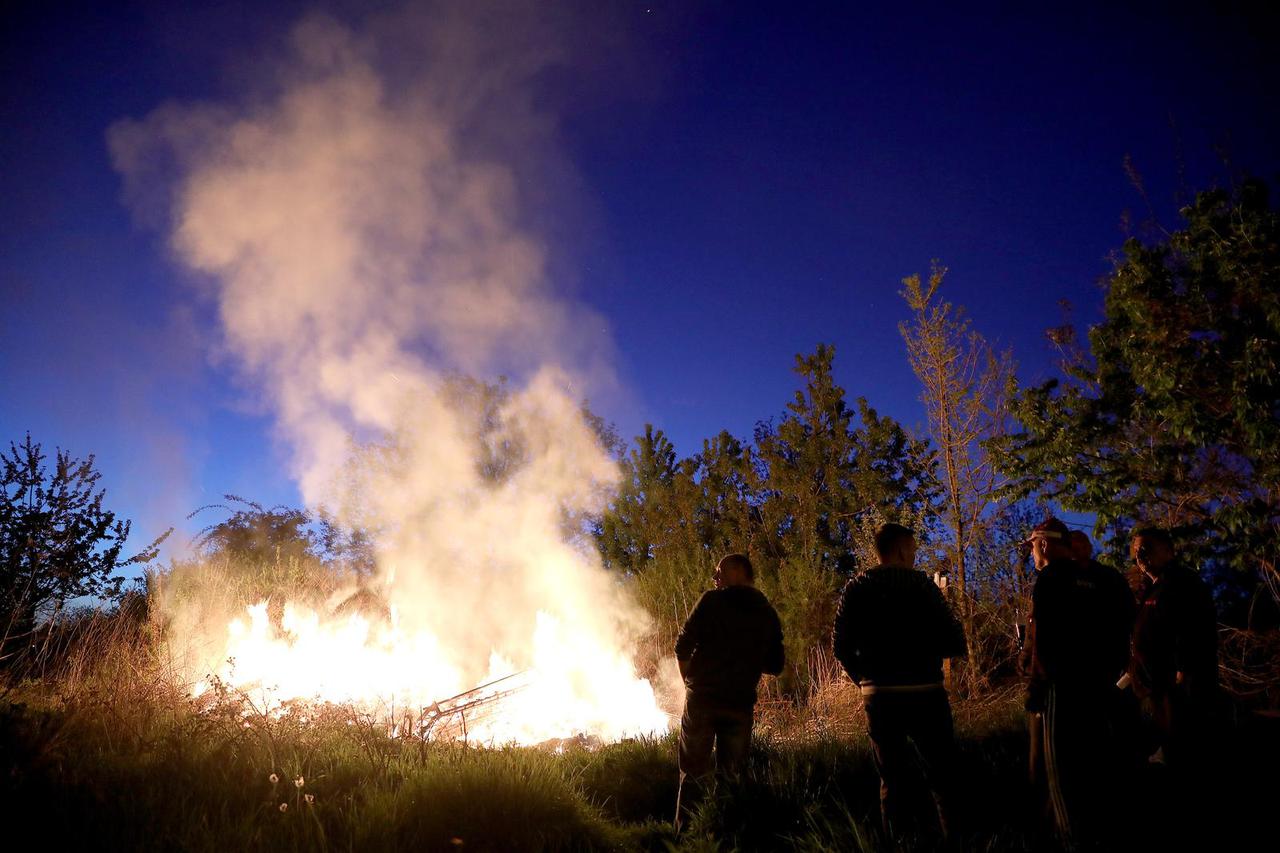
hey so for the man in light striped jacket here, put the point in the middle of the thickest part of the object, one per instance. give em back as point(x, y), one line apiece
point(892, 631)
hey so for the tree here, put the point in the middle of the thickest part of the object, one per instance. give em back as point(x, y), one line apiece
point(824, 467)
point(798, 502)
point(639, 522)
point(58, 542)
point(826, 464)
point(727, 518)
point(963, 387)
point(1172, 414)
point(253, 532)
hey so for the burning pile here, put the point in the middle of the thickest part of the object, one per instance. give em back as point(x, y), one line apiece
point(408, 680)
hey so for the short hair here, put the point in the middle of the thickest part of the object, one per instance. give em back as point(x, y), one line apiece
point(742, 561)
point(888, 535)
point(1154, 534)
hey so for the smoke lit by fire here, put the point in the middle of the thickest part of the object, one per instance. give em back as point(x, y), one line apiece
point(365, 239)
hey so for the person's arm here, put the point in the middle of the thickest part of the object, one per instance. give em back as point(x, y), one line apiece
point(687, 642)
point(845, 641)
point(775, 657)
point(950, 634)
point(1126, 614)
point(1037, 681)
point(1196, 637)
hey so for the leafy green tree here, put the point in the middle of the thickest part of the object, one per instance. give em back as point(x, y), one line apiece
point(1171, 414)
point(254, 532)
point(694, 509)
point(822, 468)
point(825, 464)
point(799, 502)
point(640, 521)
point(58, 541)
point(727, 517)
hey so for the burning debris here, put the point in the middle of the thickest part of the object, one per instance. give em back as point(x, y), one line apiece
point(407, 681)
point(447, 718)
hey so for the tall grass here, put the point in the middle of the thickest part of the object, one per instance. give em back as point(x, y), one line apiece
point(100, 752)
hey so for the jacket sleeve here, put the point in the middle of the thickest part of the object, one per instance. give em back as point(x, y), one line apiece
point(1039, 643)
point(1126, 613)
point(690, 634)
point(774, 655)
point(1196, 638)
point(951, 641)
point(844, 634)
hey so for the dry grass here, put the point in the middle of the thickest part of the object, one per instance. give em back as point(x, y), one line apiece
point(99, 749)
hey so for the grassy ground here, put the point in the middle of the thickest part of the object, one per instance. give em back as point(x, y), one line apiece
point(111, 760)
point(106, 768)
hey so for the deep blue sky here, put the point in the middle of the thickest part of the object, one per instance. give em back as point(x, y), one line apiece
point(785, 168)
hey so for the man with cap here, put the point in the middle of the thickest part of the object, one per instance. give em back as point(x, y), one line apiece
point(1077, 649)
point(731, 638)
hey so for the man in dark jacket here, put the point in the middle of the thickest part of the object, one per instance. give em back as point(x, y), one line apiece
point(1077, 650)
point(892, 631)
point(1125, 719)
point(731, 638)
point(1115, 591)
point(1175, 649)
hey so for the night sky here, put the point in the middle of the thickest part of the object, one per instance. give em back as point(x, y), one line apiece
point(744, 181)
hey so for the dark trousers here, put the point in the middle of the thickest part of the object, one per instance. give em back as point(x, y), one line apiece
point(712, 738)
point(1180, 725)
point(896, 722)
point(1079, 760)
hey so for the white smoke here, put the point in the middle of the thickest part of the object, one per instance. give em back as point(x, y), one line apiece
point(365, 239)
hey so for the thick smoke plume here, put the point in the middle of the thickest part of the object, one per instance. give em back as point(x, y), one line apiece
point(362, 219)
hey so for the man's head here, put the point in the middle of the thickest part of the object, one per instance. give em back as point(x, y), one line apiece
point(895, 545)
point(1081, 547)
point(1152, 549)
point(734, 570)
point(1049, 540)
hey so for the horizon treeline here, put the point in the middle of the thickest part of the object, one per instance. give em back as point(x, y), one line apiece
point(1167, 412)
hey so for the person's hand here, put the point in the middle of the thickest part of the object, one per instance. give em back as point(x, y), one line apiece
point(1035, 699)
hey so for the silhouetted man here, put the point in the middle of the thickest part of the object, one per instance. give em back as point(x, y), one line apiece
point(1119, 597)
point(892, 631)
point(1077, 640)
point(1175, 649)
point(731, 638)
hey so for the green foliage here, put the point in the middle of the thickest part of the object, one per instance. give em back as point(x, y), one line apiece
point(825, 464)
point(57, 539)
point(799, 501)
point(254, 533)
point(822, 468)
point(1173, 415)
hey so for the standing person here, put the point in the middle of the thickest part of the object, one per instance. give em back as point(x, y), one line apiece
point(1175, 649)
point(731, 638)
point(892, 631)
point(1076, 651)
point(1125, 730)
point(1117, 595)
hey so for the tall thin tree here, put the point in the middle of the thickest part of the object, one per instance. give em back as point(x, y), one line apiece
point(963, 387)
